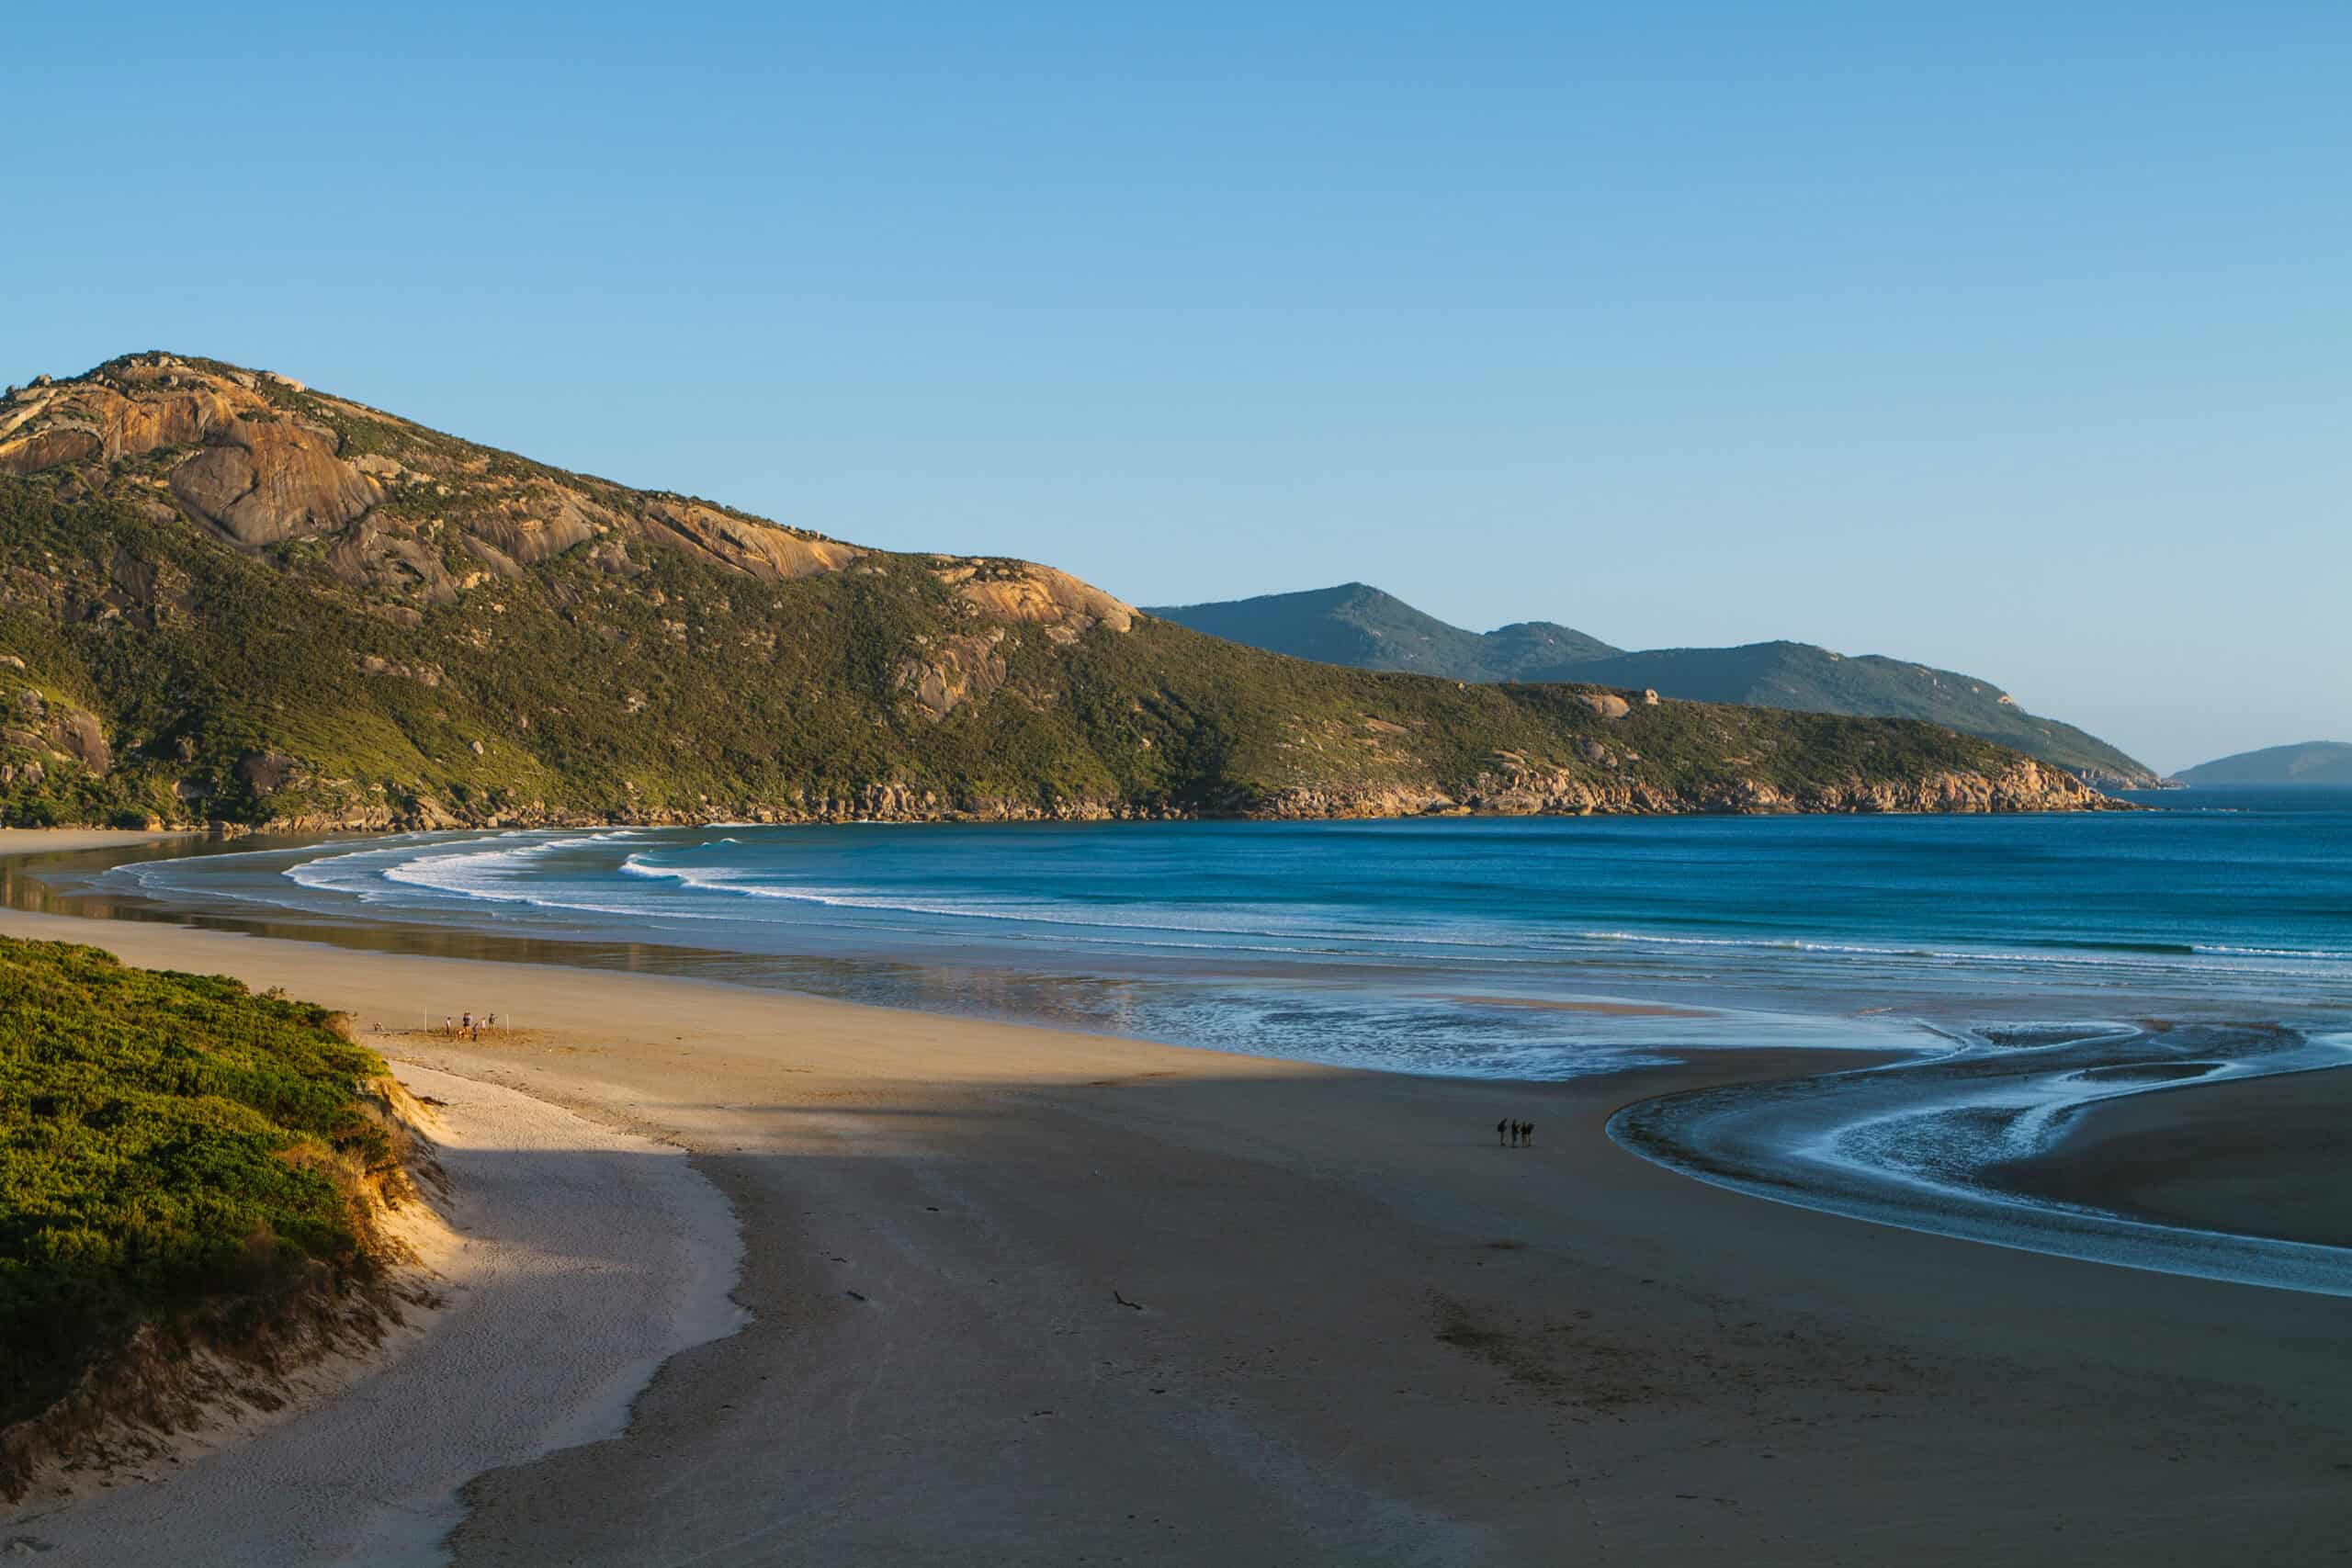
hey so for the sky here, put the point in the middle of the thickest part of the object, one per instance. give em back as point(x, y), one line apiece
point(2009, 338)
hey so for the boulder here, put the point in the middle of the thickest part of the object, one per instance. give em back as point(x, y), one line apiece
point(46, 448)
point(952, 671)
point(273, 481)
point(763, 550)
point(79, 735)
point(265, 773)
point(1607, 704)
point(1041, 595)
point(214, 479)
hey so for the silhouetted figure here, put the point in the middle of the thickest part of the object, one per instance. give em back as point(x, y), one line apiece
point(1500, 1129)
point(1527, 1134)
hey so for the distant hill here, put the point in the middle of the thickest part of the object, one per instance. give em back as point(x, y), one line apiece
point(227, 597)
point(2309, 762)
point(1359, 625)
point(1813, 680)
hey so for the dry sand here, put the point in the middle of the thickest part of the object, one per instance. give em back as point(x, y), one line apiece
point(575, 1261)
point(1028, 1296)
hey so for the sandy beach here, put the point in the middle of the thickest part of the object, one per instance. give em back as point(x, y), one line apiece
point(559, 1233)
point(1021, 1295)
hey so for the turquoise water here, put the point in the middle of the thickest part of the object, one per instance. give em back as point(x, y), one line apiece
point(1360, 943)
point(2026, 966)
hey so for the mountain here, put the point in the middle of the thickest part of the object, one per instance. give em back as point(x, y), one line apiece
point(2310, 762)
point(226, 597)
point(1361, 626)
point(1357, 624)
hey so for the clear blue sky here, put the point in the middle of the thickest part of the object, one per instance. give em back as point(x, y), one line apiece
point(2010, 337)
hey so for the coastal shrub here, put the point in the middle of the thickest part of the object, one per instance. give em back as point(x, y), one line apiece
point(167, 1141)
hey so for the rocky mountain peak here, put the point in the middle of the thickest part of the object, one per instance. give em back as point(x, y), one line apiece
point(408, 515)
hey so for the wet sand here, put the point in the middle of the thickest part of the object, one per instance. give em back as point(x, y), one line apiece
point(67, 841)
point(1931, 1143)
point(1022, 1295)
point(1599, 1009)
point(2265, 1156)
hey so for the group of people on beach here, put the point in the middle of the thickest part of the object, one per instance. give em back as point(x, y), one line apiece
point(465, 1027)
point(1510, 1134)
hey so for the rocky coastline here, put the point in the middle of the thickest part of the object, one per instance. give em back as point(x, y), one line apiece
point(2025, 787)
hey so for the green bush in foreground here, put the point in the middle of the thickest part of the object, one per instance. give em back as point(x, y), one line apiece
point(167, 1141)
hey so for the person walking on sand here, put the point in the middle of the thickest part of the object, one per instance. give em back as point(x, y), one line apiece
point(467, 1025)
point(1500, 1129)
point(1527, 1135)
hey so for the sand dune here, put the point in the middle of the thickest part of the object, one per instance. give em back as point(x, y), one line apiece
point(580, 1259)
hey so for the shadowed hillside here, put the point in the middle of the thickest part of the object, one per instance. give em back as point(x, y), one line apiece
point(1357, 624)
point(1361, 626)
point(2327, 762)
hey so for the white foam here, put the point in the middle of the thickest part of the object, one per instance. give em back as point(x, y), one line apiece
point(1914, 1160)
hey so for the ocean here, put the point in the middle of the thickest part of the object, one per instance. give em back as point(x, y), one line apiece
point(2020, 969)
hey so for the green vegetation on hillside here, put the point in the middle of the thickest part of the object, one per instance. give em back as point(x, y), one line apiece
point(390, 626)
point(1360, 626)
point(776, 696)
point(1813, 680)
point(167, 1143)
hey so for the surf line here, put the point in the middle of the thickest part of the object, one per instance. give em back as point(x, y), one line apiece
point(1905, 1143)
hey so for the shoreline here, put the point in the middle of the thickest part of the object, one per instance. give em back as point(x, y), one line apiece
point(1015, 1286)
point(1935, 796)
point(1876, 1146)
point(2197, 1164)
point(68, 840)
point(1792, 1161)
